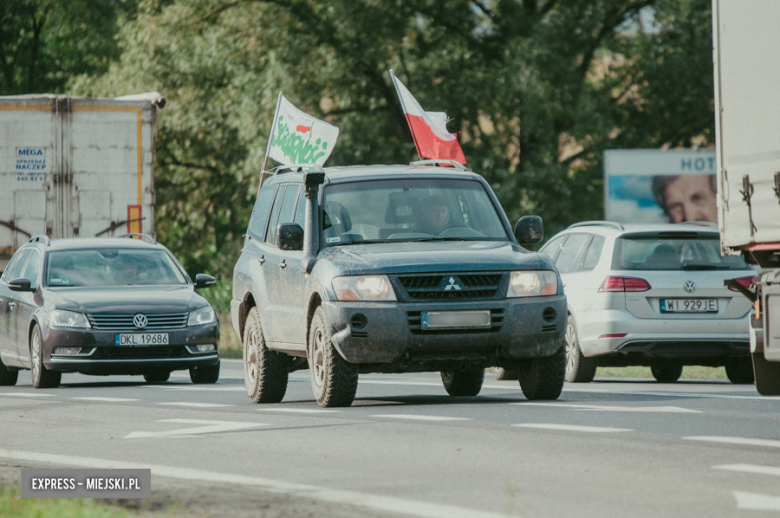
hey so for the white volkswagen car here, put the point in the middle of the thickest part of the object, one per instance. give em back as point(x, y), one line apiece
point(651, 295)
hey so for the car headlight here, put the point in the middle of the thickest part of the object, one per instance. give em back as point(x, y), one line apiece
point(532, 284)
point(62, 318)
point(202, 316)
point(363, 287)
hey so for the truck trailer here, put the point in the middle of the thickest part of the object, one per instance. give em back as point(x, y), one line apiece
point(74, 166)
point(746, 43)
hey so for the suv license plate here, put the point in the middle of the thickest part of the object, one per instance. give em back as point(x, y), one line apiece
point(689, 305)
point(454, 319)
point(141, 339)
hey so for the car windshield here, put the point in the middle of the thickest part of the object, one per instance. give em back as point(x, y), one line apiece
point(409, 210)
point(111, 267)
point(673, 253)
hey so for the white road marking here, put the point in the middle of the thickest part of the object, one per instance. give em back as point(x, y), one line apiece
point(211, 427)
point(422, 417)
point(299, 410)
point(211, 388)
point(735, 440)
point(757, 502)
point(337, 496)
point(106, 399)
point(604, 408)
point(195, 405)
point(25, 394)
point(573, 428)
point(222, 376)
point(413, 383)
point(750, 468)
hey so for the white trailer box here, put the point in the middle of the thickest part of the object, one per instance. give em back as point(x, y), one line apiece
point(73, 166)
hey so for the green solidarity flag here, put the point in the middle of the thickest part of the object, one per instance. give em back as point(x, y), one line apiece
point(299, 138)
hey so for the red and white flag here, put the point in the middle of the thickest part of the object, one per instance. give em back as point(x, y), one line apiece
point(429, 129)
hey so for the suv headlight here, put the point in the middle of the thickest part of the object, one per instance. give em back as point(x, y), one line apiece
point(532, 284)
point(202, 316)
point(62, 318)
point(363, 287)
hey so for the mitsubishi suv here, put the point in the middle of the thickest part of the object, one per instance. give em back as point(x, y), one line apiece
point(405, 268)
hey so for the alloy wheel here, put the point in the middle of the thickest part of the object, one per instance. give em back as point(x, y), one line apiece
point(571, 348)
point(36, 355)
point(318, 358)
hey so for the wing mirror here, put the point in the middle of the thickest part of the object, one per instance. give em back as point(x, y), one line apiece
point(204, 281)
point(290, 236)
point(20, 285)
point(529, 230)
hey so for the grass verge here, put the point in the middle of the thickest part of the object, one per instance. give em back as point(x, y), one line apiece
point(690, 372)
point(13, 506)
point(229, 344)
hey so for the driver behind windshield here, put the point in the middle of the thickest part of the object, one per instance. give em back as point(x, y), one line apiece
point(435, 215)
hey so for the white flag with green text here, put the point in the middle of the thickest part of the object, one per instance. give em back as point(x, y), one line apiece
point(299, 138)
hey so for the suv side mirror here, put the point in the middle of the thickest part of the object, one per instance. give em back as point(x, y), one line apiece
point(20, 285)
point(204, 281)
point(290, 236)
point(529, 230)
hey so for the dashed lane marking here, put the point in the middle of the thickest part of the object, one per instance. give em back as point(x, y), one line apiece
point(195, 405)
point(106, 399)
point(573, 428)
point(210, 427)
point(757, 502)
point(735, 440)
point(422, 417)
point(750, 468)
point(604, 408)
point(25, 394)
point(299, 410)
point(359, 500)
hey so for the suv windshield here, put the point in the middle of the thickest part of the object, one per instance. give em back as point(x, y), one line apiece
point(409, 210)
point(673, 253)
point(111, 267)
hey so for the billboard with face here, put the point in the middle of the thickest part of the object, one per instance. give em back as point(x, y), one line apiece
point(659, 186)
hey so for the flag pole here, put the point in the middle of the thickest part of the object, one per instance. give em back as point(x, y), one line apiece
point(403, 108)
point(263, 172)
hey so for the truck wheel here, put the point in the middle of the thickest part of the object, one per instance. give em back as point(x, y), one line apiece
point(41, 376)
point(204, 374)
point(542, 378)
point(8, 376)
point(740, 371)
point(334, 380)
point(157, 377)
point(265, 371)
point(463, 383)
point(502, 374)
point(667, 372)
point(767, 375)
point(579, 369)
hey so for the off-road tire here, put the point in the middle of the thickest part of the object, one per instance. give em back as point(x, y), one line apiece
point(463, 383)
point(41, 376)
point(157, 377)
point(579, 369)
point(265, 371)
point(542, 378)
point(767, 375)
point(740, 371)
point(8, 376)
point(667, 372)
point(334, 380)
point(203, 374)
point(501, 373)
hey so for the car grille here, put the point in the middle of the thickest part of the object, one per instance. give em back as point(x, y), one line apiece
point(496, 321)
point(441, 287)
point(125, 322)
point(140, 353)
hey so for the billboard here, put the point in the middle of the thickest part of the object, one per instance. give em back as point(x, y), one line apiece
point(660, 186)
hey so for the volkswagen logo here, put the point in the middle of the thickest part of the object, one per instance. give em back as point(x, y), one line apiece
point(140, 321)
point(689, 286)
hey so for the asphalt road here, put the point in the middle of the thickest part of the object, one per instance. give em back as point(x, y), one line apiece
point(620, 448)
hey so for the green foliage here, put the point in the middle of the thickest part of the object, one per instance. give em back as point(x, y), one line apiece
point(536, 88)
point(11, 506)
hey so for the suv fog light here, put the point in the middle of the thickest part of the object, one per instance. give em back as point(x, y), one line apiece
point(66, 350)
point(202, 348)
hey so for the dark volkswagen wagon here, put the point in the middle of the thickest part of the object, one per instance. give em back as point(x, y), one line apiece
point(103, 306)
point(413, 268)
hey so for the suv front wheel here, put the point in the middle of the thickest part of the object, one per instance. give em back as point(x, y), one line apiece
point(542, 378)
point(333, 379)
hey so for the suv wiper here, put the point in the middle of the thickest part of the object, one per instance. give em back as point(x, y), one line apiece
point(704, 267)
point(442, 239)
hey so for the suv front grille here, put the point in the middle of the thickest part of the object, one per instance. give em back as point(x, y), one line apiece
point(496, 321)
point(455, 286)
point(125, 322)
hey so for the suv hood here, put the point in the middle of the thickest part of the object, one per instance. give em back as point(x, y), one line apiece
point(433, 256)
point(127, 299)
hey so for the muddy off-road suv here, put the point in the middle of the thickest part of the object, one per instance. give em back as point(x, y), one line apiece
point(350, 270)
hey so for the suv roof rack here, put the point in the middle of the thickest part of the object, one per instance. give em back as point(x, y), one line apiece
point(598, 223)
point(441, 161)
point(146, 238)
point(297, 168)
point(40, 238)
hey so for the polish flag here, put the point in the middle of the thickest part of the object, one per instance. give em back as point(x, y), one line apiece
point(429, 129)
